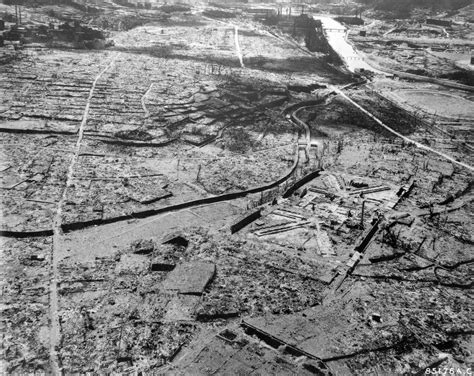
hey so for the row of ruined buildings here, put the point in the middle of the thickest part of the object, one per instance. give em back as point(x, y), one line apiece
point(157, 3)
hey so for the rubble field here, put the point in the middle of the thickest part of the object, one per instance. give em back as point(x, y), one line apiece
point(417, 47)
point(207, 196)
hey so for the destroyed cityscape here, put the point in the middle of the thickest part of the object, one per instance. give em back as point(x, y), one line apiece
point(236, 187)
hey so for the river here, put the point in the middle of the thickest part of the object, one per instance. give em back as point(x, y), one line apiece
point(336, 36)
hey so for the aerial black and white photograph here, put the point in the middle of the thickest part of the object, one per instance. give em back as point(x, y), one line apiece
point(237, 187)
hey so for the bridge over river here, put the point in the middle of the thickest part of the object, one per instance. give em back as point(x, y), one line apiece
point(336, 36)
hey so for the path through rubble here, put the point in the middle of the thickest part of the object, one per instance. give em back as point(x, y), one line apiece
point(143, 99)
point(55, 333)
point(237, 47)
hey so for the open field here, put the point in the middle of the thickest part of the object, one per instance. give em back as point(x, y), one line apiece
point(442, 104)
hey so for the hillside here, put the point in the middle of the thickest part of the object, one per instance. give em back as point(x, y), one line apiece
point(403, 6)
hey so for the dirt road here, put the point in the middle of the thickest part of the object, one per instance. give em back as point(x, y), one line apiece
point(55, 334)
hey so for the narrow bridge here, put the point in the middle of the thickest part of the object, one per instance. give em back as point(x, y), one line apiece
point(335, 30)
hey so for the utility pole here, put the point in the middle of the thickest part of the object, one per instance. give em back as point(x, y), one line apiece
point(199, 173)
point(362, 217)
point(16, 15)
point(421, 244)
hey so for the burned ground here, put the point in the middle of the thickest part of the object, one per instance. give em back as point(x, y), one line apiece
point(205, 197)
